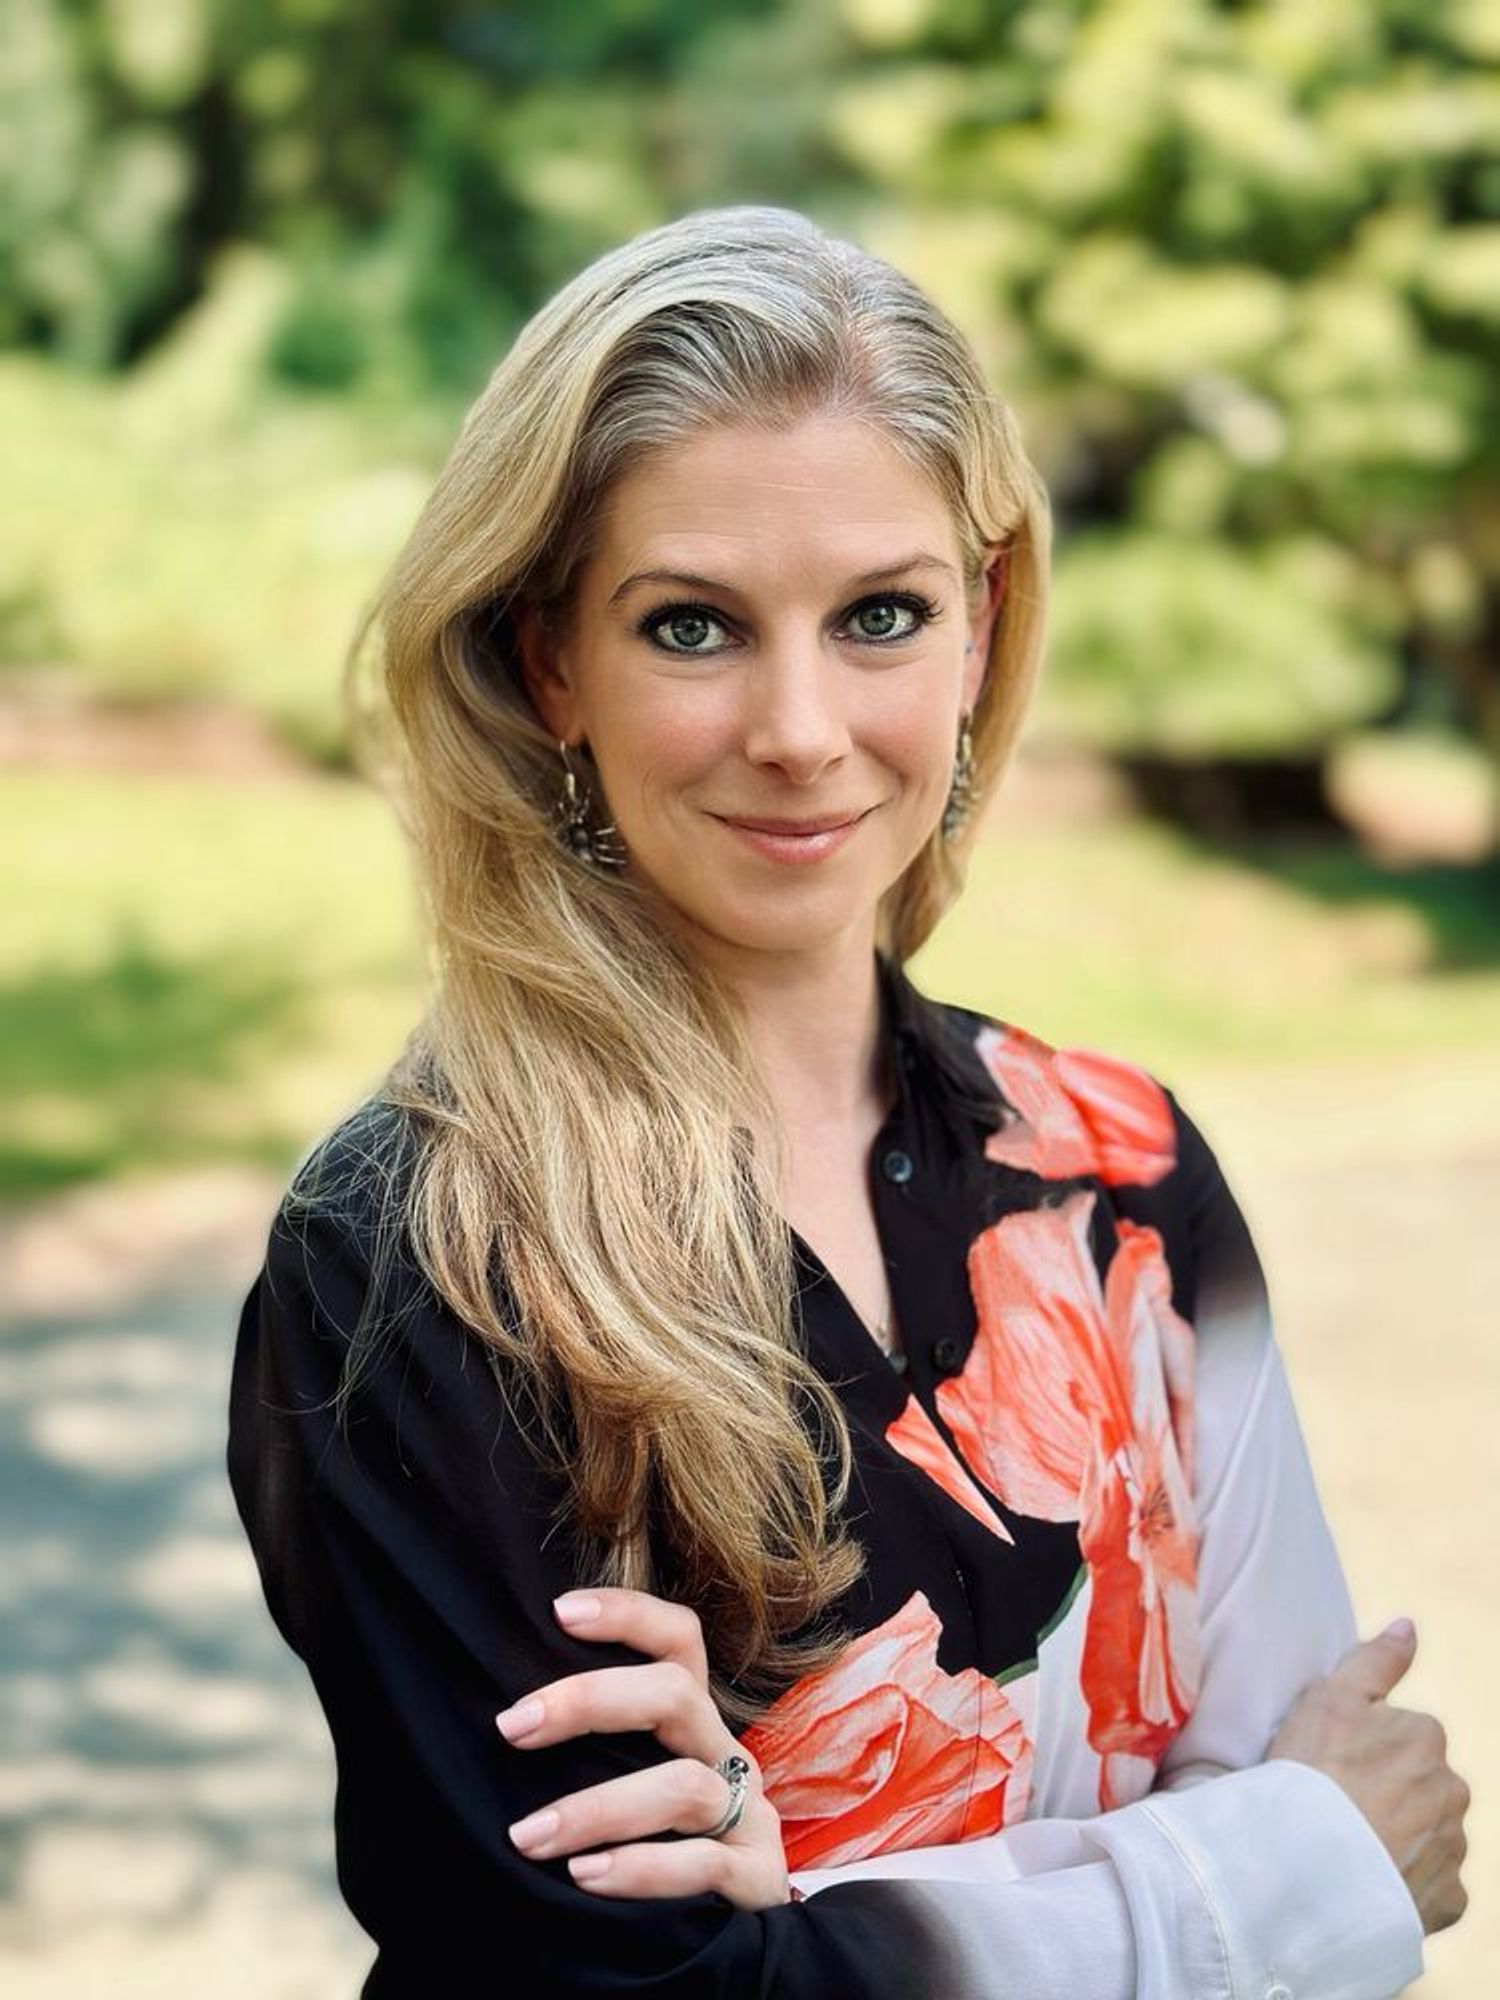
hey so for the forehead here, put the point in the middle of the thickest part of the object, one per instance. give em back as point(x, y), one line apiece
point(830, 495)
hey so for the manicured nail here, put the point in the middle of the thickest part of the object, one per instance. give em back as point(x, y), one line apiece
point(520, 1720)
point(576, 1607)
point(589, 1867)
point(535, 1829)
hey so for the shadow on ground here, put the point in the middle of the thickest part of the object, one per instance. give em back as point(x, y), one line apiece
point(1457, 903)
point(169, 1773)
point(115, 1042)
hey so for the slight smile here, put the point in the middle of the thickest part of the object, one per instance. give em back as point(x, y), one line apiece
point(793, 840)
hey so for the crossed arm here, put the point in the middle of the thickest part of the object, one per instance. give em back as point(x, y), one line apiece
point(402, 1561)
point(1233, 1876)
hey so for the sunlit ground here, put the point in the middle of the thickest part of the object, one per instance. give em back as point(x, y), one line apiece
point(196, 977)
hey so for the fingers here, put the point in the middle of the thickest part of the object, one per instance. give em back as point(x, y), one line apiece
point(1435, 1881)
point(685, 1796)
point(667, 1868)
point(1375, 1665)
point(652, 1625)
point(662, 1697)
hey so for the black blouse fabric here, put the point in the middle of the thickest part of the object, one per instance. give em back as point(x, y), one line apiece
point(1045, 1217)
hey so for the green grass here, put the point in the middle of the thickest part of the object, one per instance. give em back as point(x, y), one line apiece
point(196, 971)
point(192, 971)
point(1133, 938)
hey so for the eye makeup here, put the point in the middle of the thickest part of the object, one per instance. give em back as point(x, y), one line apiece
point(923, 609)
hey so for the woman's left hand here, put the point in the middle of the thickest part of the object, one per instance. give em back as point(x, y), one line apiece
point(670, 1697)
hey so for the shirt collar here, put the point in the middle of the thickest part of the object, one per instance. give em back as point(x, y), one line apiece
point(939, 1038)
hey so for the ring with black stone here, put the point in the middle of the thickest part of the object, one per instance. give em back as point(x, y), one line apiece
point(735, 1772)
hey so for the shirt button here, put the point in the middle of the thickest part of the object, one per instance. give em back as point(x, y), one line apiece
point(945, 1353)
point(897, 1167)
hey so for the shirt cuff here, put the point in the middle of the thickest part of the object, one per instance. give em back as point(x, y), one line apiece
point(1299, 1896)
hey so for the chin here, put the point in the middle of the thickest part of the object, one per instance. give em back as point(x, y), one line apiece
point(778, 924)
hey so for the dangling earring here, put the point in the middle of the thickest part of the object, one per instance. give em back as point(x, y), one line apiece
point(600, 846)
point(963, 793)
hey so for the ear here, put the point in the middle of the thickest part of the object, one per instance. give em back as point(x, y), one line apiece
point(544, 672)
point(982, 623)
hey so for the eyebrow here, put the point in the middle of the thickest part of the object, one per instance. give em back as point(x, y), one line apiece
point(919, 560)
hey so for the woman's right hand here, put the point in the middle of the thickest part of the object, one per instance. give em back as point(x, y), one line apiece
point(1393, 1763)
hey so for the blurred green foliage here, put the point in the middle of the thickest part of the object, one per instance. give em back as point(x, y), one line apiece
point(1238, 266)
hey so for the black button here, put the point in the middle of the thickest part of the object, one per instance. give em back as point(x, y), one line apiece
point(896, 1166)
point(945, 1353)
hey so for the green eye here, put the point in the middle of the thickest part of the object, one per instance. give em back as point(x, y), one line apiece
point(886, 611)
point(689, 624)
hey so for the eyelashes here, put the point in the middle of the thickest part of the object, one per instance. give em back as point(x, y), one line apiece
point(923, 612)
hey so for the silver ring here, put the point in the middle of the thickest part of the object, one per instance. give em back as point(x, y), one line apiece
point(735, 1772)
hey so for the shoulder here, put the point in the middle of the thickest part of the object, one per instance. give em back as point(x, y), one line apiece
point(354, 1180)
point(338, 1240)
point(359, 1169)
point(1077, 1113)
point(1063, 1112)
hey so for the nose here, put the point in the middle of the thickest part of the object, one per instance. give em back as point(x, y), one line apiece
point(795, 717)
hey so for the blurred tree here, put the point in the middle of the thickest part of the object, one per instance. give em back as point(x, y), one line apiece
point(1236, 261)
point(1240, 266)
point(429, 171)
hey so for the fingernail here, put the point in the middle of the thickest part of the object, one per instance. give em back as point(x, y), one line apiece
point(520, 1720)
point(589, 1867)
point(577, 1607)
point(537, 1827)
point(1400, 1628)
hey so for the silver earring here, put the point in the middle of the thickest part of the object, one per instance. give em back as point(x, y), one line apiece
point(599, 846)
point(963, 793)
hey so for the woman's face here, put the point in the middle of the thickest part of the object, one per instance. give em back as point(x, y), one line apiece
point(770, 627)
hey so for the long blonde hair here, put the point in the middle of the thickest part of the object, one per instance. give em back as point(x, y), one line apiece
point(583, 1193)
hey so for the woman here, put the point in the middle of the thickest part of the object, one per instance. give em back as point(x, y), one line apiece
point(900, 1389)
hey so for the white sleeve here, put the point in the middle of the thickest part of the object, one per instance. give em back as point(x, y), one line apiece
point(1274, 1607)
point(1234, 1879)
point(1237, 1888)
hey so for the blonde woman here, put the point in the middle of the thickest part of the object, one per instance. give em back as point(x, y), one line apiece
point(783, 1484)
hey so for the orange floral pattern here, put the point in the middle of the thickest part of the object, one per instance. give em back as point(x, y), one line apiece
point(884, 1751)
point(1075, 1403)
point(1080, 1112)
point(919, 1440)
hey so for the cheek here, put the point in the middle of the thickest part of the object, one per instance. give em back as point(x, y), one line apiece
point(667, 745)
point(916, 739)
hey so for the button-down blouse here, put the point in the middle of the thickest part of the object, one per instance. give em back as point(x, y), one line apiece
point(1097, 1575)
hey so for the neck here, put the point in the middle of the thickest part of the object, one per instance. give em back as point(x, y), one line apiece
point(815, 1023)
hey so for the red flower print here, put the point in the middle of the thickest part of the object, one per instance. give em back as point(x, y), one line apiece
point(1076, 1404)
point(883, 1751)
point(918, 1439)
point(1081, 1112)
point(1038, 1382)
point(1142, 1247)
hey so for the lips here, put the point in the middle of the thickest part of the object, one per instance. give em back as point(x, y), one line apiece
point(793, 826)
